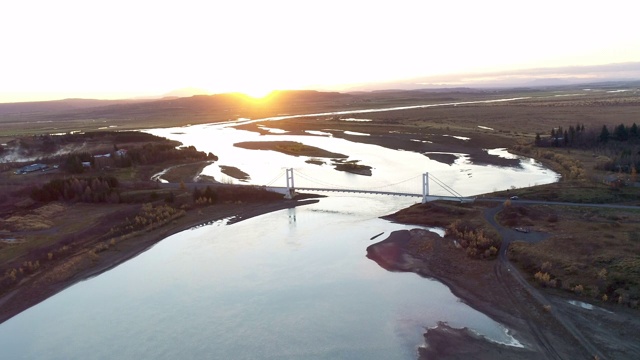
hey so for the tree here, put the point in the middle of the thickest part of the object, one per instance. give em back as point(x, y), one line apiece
point(73, 164)
point(197, 194)
point(210, 195)
point(555, 135)
point(572, 134)
point(538, 139)
point(633, 131)
point(604, 134)
point(620, 133)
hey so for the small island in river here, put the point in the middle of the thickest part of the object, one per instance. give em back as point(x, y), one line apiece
point(290, 148)
point(352, 167)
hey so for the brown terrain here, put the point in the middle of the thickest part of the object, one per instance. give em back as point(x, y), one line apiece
point(520, 261)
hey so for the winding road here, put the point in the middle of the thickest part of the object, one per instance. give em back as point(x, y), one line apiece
point(504, 268)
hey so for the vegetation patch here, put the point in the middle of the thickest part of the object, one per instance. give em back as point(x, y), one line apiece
point(315, 161)
point(591, 252)
point(477, 241)
point(290, 148)
point(464, 223)
point(148, 218)
point(91, 189)
point(234, 172)
point(435, 213)
point(353, 167)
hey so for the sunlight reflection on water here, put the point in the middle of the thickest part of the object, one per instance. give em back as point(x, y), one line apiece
point(294, 284)
point(392, 170)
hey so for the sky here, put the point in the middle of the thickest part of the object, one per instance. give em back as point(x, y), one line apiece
point(119, 49)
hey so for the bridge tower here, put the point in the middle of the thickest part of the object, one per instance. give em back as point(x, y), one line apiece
point(425, 187)
point(290, 187)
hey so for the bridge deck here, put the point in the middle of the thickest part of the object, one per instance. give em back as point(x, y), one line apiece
point(390, 193)
point(359, 191)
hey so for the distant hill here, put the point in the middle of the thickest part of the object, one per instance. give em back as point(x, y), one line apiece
point(142, 113)
point(91, 115)
point(60, 105)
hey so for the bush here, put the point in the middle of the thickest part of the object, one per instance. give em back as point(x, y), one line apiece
point(92, 189)
point(474, 240)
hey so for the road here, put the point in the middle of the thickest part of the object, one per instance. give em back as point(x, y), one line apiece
point(504, 268)
point(559, 203)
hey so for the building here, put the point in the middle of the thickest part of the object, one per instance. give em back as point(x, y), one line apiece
point(32, 168)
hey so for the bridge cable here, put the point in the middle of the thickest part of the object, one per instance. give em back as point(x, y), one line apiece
point(445, 186)
point(276, 178)
point(396, 183)
point(320, 182)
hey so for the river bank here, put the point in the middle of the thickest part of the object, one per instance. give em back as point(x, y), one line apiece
point(491, 289)
point(42, 285)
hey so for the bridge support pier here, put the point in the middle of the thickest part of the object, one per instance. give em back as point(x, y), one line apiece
point(290, 187)
point(425, 187)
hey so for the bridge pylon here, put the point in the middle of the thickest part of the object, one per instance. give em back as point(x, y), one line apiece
point(425, 187)
point(291, 191)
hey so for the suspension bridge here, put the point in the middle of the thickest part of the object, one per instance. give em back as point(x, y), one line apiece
point(291, 190)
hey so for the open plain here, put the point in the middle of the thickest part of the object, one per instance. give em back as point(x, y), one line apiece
point(531, 281)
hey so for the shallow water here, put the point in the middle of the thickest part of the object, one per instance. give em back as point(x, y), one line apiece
point(393, 170)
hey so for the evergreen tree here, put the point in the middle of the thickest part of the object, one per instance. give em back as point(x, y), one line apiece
point(197, 194)
point(633, 132)
point(73, 164)
point(604, 134)
point(620, 133)
point(572, 134)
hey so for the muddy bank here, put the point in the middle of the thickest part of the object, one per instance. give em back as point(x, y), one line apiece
point(475, 282)
point(448, 343)
point(38, 287)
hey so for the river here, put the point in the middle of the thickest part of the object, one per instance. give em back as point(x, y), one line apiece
point(293, 284)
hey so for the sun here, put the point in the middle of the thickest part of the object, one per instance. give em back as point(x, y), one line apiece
point(257, 92)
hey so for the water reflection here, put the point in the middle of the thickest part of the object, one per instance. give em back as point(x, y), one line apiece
point(267, 287)
point(220, 222)
point(292, 216)
point(393, 170)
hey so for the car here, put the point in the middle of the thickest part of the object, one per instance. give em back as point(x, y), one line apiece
point(514, 198)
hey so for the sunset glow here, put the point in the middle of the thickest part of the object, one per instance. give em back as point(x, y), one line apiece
point(70, 48)
point(258, 92)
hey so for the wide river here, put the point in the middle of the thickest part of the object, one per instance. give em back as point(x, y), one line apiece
point(293, 284)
